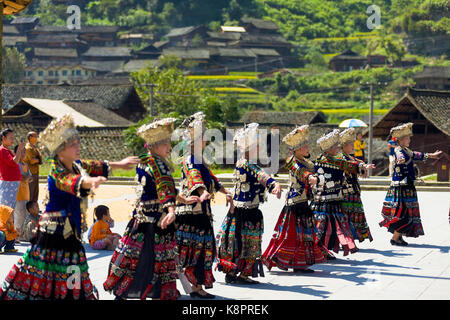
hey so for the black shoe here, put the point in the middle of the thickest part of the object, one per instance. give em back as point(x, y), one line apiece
point(246, 280)
point(207, 295)
point(331, 257)
point(400, 243)
point(304, 270)
point(230, 278)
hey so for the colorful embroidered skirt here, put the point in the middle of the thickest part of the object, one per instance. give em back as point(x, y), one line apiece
point(53, 268)
point(196, 248)
point(353, 208)
point(240, 241)
point(8, 193)
point(294, 242)
point(143, 264)
point(333, 228)
point(401, 211)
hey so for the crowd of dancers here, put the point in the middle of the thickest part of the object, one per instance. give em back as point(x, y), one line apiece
point(170, 235)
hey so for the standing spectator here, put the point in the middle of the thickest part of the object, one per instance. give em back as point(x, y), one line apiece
point(31, 222)
point(23, 195)
point(360, 145)
point(9, 169)
point(33, 159)
point(391, 146)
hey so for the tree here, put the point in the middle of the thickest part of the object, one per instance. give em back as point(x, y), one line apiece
point(13, 65)
point(177, 96)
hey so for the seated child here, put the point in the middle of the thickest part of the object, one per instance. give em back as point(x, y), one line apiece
point(31, 223)
point(8, 233)
point(101, 237)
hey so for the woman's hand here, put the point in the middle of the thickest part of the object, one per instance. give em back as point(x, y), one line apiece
point(93, 182)
point(312, 180)
point(205, 196)
point(401, 160)
point(369, 166)
point(168, 219)
point(277, 190)
point(126, 164)
point(435, 155)
point(188, 200)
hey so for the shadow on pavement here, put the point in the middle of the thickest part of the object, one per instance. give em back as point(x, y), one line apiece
point(443, 249)
point(97, 253)
point(386, 253)
point(305, 289)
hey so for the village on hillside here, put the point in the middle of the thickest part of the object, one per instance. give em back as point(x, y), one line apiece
point(87, 72)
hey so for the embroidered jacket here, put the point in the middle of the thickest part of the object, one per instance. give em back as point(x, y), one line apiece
point(195, 175)
point(250, 185)
point(156, 188)
point(65, 193)
point(351, 183)
point(330, 172)
point(299, 172)
point(404, 173)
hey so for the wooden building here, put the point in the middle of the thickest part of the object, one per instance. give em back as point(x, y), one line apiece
point(429, 110)
point(347, 61)
point(120, 99)
point(433, 78)
point(285, 122)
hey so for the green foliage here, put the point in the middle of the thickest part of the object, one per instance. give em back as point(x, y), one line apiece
point(176, 96)
point(13, 65)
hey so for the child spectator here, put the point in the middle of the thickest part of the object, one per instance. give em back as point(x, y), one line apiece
point(31, 222)
point(23, 195)
point(101, 237)
point(8, 233)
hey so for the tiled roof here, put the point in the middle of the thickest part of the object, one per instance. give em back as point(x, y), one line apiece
point(135, 65)
point(434, 106)
point(11, 41)
point(349, 54)
point(294, 118)
point(8, 29)
point(433, 72)
point(97, 112)
point(20, 20)
point(108, 52)
point(102, 66)
point(55, 52)
point(45, 38)
point(180, 31)
point(105, 143)
point(111, 97)
point(225, 35)
point(187, 53)
point(261, 24)
point(84, 29)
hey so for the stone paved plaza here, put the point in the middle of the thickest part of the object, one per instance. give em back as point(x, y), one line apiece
point(377, 271)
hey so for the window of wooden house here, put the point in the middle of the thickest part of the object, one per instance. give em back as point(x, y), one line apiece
point(64, 72)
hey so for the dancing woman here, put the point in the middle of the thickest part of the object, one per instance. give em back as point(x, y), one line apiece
point(45, 270)
point(143, 264)
point(333, 228)
point(294, 243)
point(195, 233)
point(401, 214)
point(352, 204)
point(240, 237)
